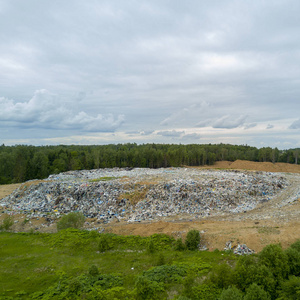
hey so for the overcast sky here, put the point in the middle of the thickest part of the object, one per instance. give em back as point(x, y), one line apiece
point(162, 71)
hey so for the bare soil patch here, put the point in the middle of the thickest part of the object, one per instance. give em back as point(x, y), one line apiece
point(7, 189)
point(268, 223)
point(255, 166)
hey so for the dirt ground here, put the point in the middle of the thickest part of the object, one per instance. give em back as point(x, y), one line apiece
point(258, 228)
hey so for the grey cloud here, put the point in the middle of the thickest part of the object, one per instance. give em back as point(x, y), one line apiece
point(170, 133)
point(228, 122)
point(270, 126)
point(250, 125)
point(139, 132)
point(191, 136)
point(48, 111)
point(162, 64)
point(295, 125)
point(146, 132)
point(185, 115)
point(175, 117)
point(203, 123)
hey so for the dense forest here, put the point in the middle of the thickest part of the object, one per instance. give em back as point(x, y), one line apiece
point(20, 163)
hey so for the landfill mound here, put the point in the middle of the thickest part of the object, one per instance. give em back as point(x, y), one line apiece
point(135, 195)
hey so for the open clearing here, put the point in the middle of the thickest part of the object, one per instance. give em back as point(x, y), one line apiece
point(268, 223)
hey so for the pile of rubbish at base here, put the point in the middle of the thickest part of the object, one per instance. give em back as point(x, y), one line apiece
point(141, 194)
point(239, 249)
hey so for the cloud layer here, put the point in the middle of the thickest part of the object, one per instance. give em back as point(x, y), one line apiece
point(47, 111)
point(150, 71)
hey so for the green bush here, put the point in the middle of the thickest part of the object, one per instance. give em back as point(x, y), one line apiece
point(205, 292)
point(103, 244)
point(296, 245)
point(290, 289)
point(93, 270)
point(192, 240)
point(151, 246)
point(293, 261)
point(166, 274)
point(255, 292)
point(248, 271)
point(7, 223)
point(274, 258)
point(179, 245)
point(161, 260)
point(147, 289)
point(222, 276)
point(232, 293)
point(188, 283)
point(71, 220)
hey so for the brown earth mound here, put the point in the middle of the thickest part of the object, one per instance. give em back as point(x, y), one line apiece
point(255, 166)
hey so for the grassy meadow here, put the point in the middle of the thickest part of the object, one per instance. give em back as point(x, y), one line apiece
point(77, 264)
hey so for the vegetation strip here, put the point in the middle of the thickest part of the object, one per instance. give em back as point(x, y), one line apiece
point(21, 163)
point(75, 264)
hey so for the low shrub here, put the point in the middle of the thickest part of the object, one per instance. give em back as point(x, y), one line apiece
point(151, 246)
point(7, 223)
point(179, 245)
point(255, 292)
point(232, 293)
point(166, 274)
point(71, 220)
point(192, 240)
point(103, 244)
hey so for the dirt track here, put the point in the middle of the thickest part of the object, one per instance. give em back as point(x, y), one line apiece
point(267, 224)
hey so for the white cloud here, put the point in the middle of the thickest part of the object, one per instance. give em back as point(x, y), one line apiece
point(47, 110)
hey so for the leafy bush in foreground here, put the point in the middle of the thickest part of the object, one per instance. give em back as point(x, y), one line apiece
point(103, 244)
point(192, 240)
point(255, 292)
point(232, 293)
point(71, 220)
point(8, 222)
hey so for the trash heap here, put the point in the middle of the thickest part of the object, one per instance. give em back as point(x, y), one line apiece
point(239, 249)
point(145, 194)
point(243, 250)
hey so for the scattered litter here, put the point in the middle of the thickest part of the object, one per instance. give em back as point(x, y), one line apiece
point(228, 246)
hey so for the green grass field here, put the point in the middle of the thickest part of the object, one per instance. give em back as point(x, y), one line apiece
point(75, 264)
point(32, 262)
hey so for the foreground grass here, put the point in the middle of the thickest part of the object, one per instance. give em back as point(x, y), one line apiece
point(32, 262)
point(74, 264)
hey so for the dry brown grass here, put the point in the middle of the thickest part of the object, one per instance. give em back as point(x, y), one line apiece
point(134, 197)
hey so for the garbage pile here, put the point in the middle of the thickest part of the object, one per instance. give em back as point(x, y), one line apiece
point(145, 194)
point(239, 249)
point(243, 250)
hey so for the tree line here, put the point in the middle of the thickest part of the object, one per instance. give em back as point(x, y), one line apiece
point(22, 162)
